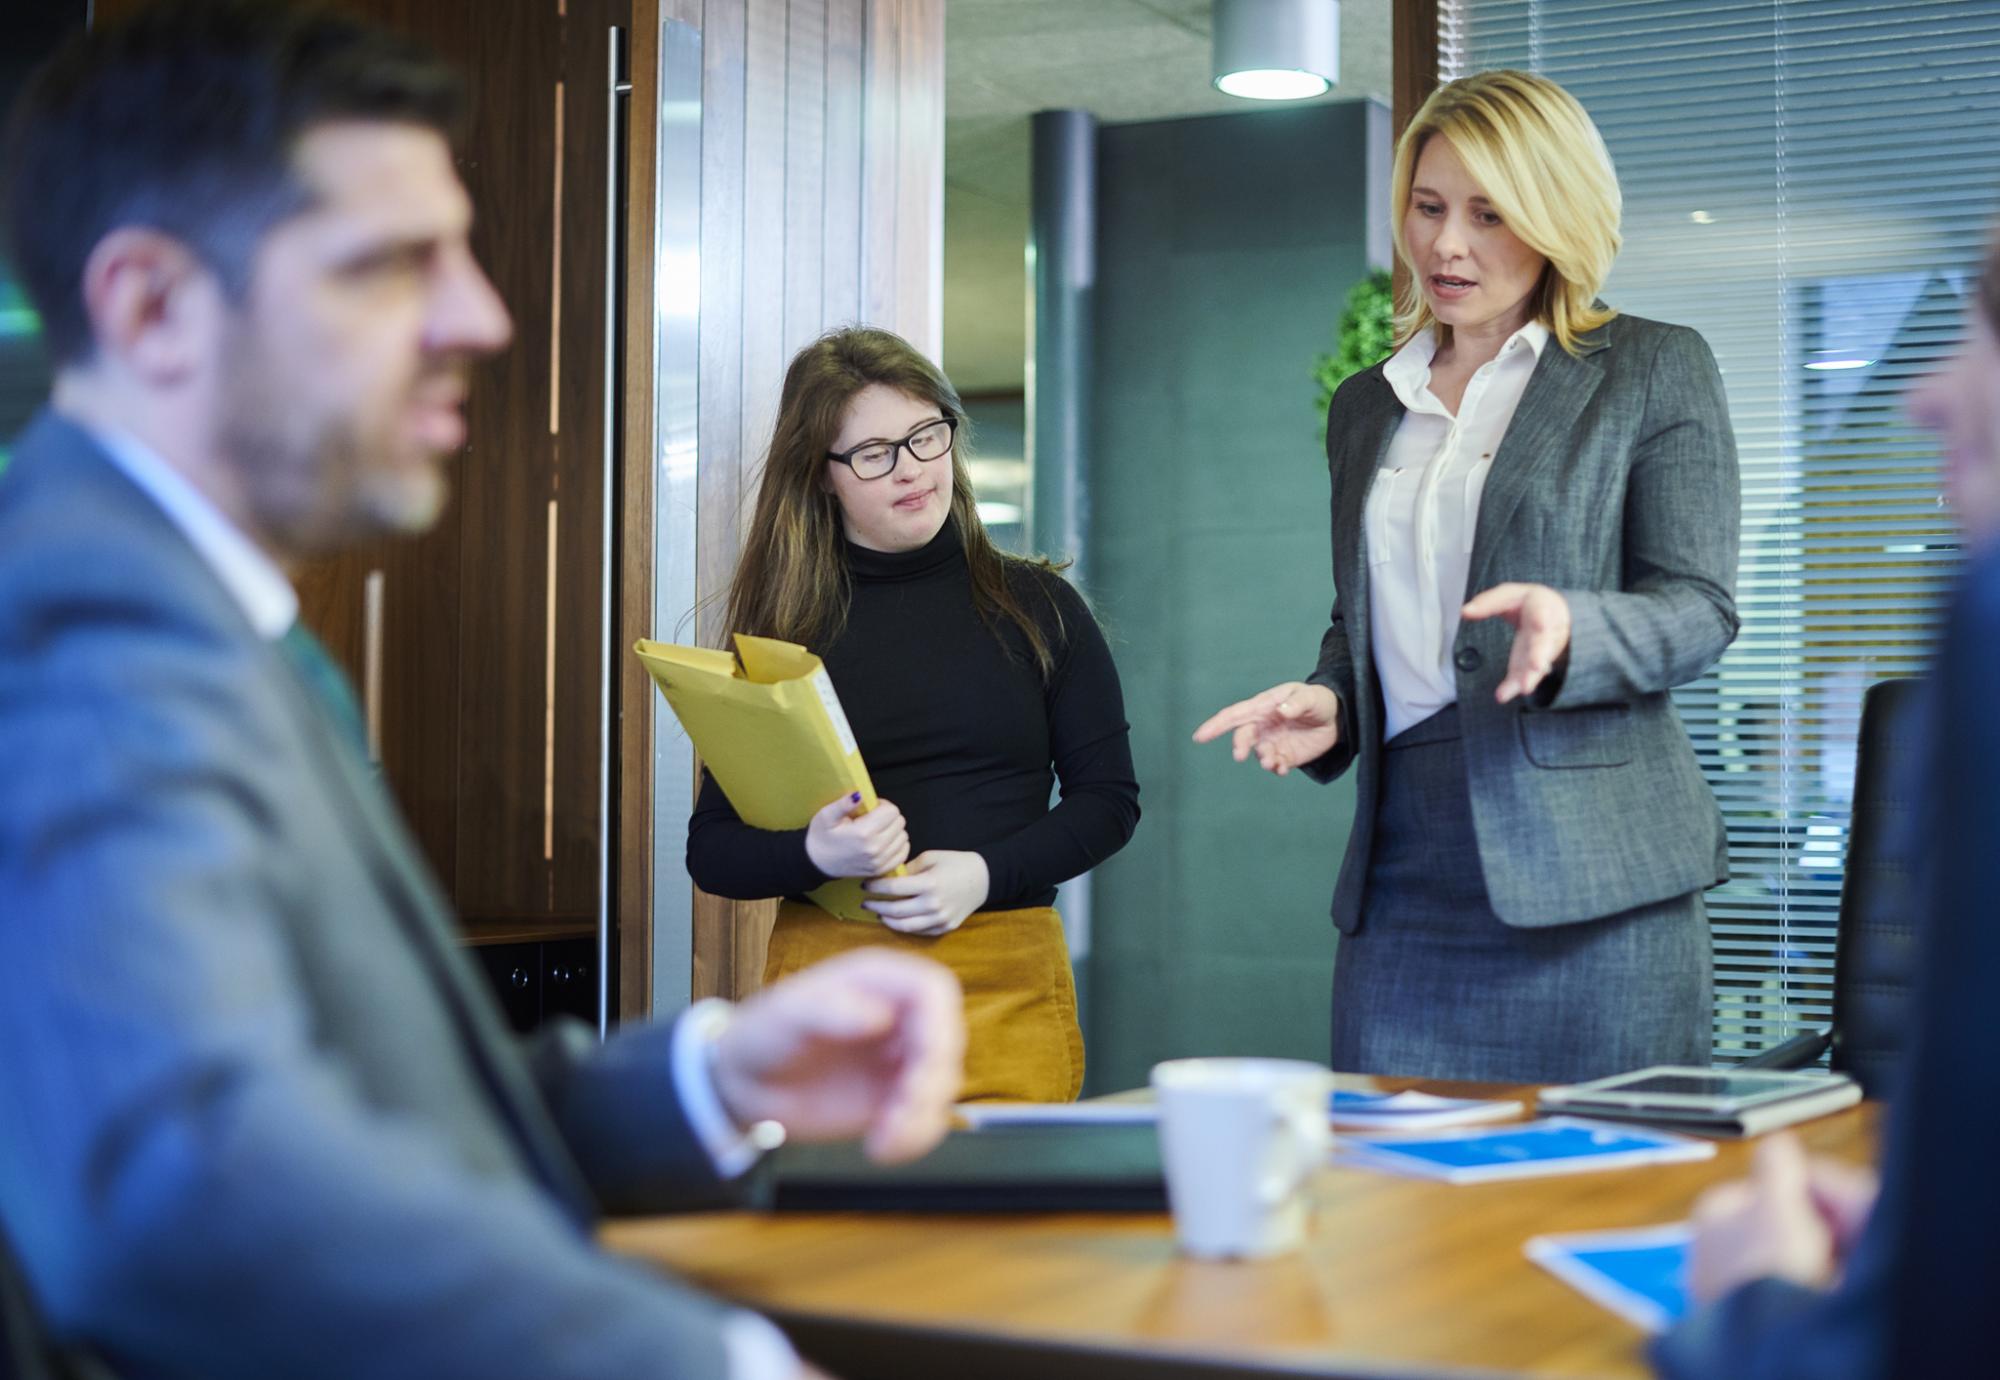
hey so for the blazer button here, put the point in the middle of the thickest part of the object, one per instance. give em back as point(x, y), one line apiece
point(1467, 659)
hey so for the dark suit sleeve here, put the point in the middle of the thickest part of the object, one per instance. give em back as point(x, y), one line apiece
point(1917, 1298)
point(1335, 672)
point(1335, 667)
point(1090, 744)
point(1942, 1159)
point(1773, 1330)
point(196, 1182)
point(727, 857)
point(1675, 611)
point(621, 1115)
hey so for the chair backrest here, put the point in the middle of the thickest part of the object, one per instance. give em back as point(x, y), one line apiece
point(1875, 955)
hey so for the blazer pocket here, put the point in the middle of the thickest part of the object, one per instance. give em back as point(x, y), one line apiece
point(1600, 736)
point(1475, 489)
point(1375, 515)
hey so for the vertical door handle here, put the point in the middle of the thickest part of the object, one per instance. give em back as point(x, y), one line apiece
point(371, 659)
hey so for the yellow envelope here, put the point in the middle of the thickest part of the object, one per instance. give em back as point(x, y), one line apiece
point(772, 732)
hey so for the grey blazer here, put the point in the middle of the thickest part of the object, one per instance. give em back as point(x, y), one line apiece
point(258, 1116)
point(1616, 484)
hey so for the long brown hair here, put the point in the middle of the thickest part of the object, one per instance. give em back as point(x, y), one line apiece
point(792, 580)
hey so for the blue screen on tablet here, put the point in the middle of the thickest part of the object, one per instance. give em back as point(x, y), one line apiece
point(1655, 1273)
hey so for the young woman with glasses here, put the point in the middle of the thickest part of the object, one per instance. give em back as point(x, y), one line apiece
point(974, 681)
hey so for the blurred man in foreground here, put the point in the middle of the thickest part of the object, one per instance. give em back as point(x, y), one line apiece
point(258, 1116)
point(1799, 1273)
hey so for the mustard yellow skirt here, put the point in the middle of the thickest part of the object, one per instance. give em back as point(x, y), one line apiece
point(1022, 1040)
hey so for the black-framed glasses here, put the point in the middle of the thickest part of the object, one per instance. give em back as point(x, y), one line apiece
point(874, 459)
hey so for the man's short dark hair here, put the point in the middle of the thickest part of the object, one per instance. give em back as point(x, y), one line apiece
point(184, 118)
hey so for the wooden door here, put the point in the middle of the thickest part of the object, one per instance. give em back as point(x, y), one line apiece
point(478, 648)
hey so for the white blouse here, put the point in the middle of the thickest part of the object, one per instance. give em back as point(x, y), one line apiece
point(1422, 511)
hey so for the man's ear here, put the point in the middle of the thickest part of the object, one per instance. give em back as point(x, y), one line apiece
point(153, 306)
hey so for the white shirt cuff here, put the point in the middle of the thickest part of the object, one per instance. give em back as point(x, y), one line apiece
point(756, 1349)
point(732, 1148)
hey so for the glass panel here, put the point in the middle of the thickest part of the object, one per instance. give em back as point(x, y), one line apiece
point(1810, 184)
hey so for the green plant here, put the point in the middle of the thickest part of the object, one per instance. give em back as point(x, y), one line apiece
point(1367, 335)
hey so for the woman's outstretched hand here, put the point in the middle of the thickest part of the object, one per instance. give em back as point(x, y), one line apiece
point(1540, 619)
point(1287, 726)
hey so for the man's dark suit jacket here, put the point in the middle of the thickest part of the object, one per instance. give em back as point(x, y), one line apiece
point(1921, 1297)
point(258, 1116)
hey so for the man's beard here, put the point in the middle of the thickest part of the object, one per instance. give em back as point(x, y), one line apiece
point(316, 485)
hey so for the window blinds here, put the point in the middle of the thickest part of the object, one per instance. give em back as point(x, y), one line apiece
point(1811, 185)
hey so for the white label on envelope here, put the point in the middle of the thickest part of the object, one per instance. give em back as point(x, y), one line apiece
point(823, 683)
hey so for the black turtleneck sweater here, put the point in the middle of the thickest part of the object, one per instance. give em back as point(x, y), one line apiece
point(960, 731)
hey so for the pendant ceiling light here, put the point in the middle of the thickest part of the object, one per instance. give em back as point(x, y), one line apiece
point(1277, 50)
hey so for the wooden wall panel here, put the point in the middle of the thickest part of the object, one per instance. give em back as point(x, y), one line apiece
point(807, 170)
point(720, 445)
point(767, 254)
point(805, 175)
point(880, 164)
point(723, 43)
point(509, 480)
point(1413, 75)
point(489, 682)
point(1413, 57)
point(574, 754)
point(902, 172)
point(840, 199)
point(633, 803)
point(919, 310)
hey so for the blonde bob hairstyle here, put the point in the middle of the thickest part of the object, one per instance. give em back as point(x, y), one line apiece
point(1543, 166)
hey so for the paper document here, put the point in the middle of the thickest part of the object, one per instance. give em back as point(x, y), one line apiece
point(1404, 1111)
point(1413, 1111)
point(1639, 1275)
point(773, 734)
point(1557, 1145)
point(979, 1115)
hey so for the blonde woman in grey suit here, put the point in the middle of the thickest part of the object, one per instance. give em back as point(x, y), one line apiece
point(1535, 514)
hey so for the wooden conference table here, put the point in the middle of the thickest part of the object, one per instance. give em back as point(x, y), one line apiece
point(1402, 1277)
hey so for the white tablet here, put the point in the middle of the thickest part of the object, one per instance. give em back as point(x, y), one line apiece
point(1675, 1088)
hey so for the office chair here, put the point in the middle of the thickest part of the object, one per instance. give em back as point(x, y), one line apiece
point(1874, 957)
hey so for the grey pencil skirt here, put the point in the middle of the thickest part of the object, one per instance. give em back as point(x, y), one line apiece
point(1434, 985)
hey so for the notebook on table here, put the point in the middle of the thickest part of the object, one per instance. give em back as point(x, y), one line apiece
point(1040, 1167)
point(1349, 1109)
point(1640, 1275)
point(1414, 1111)
point(1554, 1145)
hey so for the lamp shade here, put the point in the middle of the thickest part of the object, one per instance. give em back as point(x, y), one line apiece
point(1276, 50)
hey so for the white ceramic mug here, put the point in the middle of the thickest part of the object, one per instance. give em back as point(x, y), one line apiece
point(1240, 1138)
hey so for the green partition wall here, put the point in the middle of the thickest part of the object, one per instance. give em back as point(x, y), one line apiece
point(1226, 245)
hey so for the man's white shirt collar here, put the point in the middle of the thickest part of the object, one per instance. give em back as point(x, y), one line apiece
point(1409, 369)
point(251, 577)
